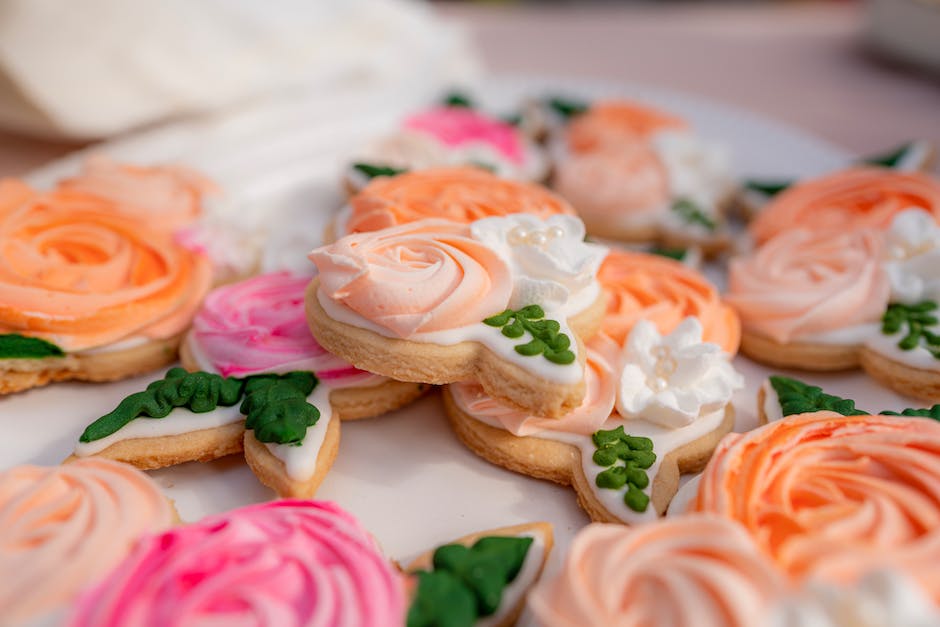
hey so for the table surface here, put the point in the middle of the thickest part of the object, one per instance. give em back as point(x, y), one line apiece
point(804, 64)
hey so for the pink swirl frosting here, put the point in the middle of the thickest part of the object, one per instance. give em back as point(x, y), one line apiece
point(701, 571)
point(64, 527)
point(803, 282)
point(259, 325)
point(419, 277)
point(600, 394)
point(455, 126)
point(283, 564)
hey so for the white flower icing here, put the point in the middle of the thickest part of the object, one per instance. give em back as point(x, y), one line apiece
point(696, 169)
point(550, 261)
point(913, 263)
point(880, 599)
point(672, 380)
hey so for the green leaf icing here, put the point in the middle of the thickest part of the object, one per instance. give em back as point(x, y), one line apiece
point(692, 214)
point(371, 170)
point(467, 582)
point(458, 99)
point(275, 405)
point(567, 108)
point(768, 188)
point(930, 412)
point(889, 159)
point(15, 346)
point(913, 321)
point(673, 253)
point(547, 338)
point(197, 391)
point(635, 453)
point(797, 397)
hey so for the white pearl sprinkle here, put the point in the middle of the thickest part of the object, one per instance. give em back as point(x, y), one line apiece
point(555, 232)
point(518, 235)
point(537, 238)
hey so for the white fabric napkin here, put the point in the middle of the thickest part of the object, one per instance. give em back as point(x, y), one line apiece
point(95, 68)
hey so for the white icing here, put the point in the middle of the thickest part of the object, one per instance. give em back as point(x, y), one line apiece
point(671, 380)
point(301, 461)
point(179, 421)
point(682, 501)
point(918, 357)
point(696, 169)
point(848, 336)
point(491, 337)
point(772, 409)
point(515, 591)
point(915, 157)
point(913, 257)
point(880, 599)
point(551, 263)
point(121, 345)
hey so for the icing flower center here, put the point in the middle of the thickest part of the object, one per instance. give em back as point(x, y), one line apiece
point(663, 368)
point(521, 236)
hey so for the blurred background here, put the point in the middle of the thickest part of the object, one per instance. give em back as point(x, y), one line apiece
point(861, 74)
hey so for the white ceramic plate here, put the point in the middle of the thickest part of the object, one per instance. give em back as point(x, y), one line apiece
point(405, 475)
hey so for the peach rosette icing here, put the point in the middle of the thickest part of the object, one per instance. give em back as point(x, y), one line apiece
point(420, 277)
point(163, 197)
point(834, 497)
point(283, 564)
point(78, 273)
point(61, 528)
point(600, 394)
point(701, 571)
point(805, 283)
point(848, 200)
point(663, 291)
point(616, 123)
point(461, 195)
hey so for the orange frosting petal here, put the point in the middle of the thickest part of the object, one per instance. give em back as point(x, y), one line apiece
point(835, 497)
point(695, 571)
point(848, 200)
point(462, 195)
point(616, 123)
point(80, 274)
point(663, 291)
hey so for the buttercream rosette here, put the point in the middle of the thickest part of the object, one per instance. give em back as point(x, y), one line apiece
point(303, 563)
point(66, 526)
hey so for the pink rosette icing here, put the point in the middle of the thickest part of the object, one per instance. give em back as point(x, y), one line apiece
point(63, 527)
point(696, 571)
point(259, 325)
point(456, 126)
point(419, 277)
point(283, 564)
point(804, 282)
point(600, 393)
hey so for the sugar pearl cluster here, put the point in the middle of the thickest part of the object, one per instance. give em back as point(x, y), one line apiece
point(665, 366)
point(521, 236)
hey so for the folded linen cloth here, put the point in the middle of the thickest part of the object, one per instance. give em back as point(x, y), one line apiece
point(91, 69)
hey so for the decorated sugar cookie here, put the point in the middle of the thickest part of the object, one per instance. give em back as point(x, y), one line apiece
point(61, 528)
point(449, 136)
point(636, 173)
point(653, 409)
point(259, 326)
point(461, 195)
point(756, 195)
point(88, 292)
point(834, 497)
point(503, 301)
point(820, 300)
point(284, 423)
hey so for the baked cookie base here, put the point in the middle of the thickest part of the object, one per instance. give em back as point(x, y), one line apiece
point(923, 385)
point(801, 356)
point(271, 471)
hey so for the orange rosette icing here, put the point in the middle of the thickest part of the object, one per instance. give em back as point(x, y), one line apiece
point(61, 528)
point(848, 200)
point(805, 282)
point(165, 197)
point(420, 277)
point(462, 195)
point(697, 571)
point(663, 291)
point(612, 124)
point(81, 275)
point(834, 496)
